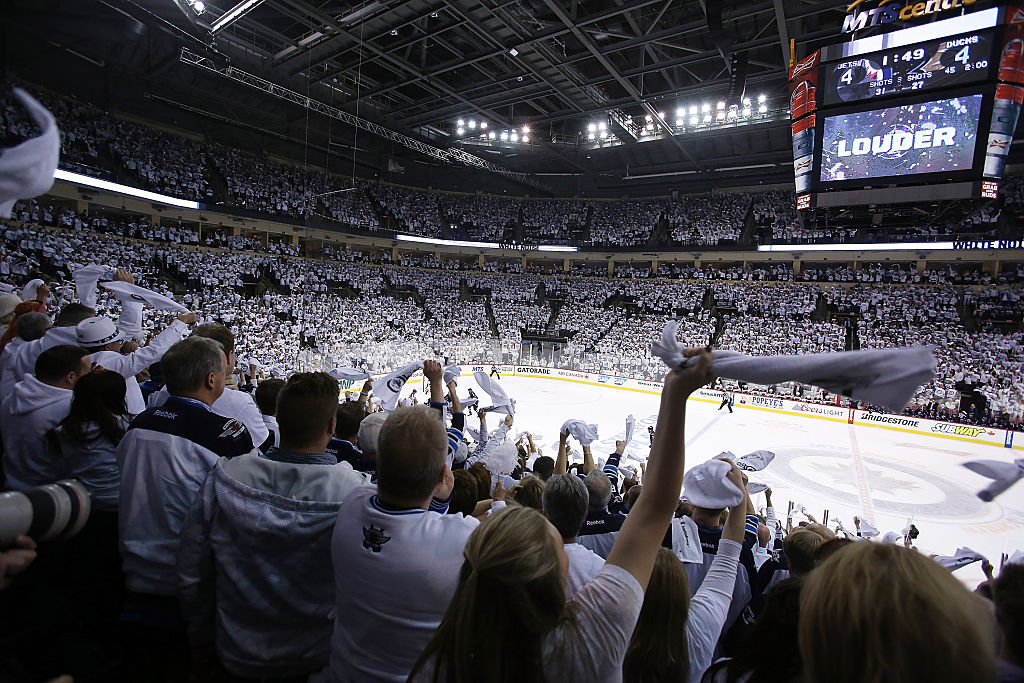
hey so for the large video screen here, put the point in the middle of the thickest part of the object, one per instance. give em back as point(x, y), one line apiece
point(931, 65)
point(929, 137)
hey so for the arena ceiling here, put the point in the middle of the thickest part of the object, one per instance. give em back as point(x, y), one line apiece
point(550, 67)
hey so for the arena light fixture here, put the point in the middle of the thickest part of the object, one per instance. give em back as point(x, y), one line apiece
point(460, 123)
point(721, 104)
point(233, 14)
point(602, 126)
point(694, 120)
point(100, 184)
point(590, 136)
point(706, 107)
point(460, 131)
point(198, 6)
point(762, 98)
point(483, 125)
point(762, 108)
point(693, 109)
point(592, 128)
point(526, 138)
point(526, 129)
point(681, 112)
point(679, 122)
point(504, 136)
point(746, 111)
point(492, 135)
point(875, 246)
point(514, 136)
point(472, 124)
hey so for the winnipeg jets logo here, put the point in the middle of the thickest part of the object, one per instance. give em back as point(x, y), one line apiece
point(233, 429)
point(374, 538)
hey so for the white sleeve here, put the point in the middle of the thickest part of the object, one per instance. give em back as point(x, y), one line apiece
point(134, 363)
point(709, 607)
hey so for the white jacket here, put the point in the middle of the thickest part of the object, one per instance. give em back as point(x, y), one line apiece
point(164, 458)
point(24, 362)
point(33, 409)
point(232, 403)
point(7, 377)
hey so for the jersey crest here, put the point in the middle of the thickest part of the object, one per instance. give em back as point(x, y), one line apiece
point(374, 538)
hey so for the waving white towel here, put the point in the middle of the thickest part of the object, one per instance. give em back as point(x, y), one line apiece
point(756, 461)
point(27, 170)
point(961, 558)
point(887, 377)
point(501, 402)
point(350, 374)
point(1003, 475)
point(86, 279)
point(686, 540)
point(580, 430)
point(630, 424)
point(388, 388)
point(452, 373)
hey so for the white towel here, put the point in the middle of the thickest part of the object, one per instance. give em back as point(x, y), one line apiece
point(452, 373)
point(852, 535)
point(86, 279)
point(29, 291)
point(387, 389)
point(686, 541)
point(886, 377)
point(756, 461)
point(755, 487)
point(961, 558)
point(580, 430)
point(1016, 558)
point(867, 530)
point(501, 402)
point(126, 291)
point(26, 170)
point(350, 374)
point(1003, 475)
point(630, 424)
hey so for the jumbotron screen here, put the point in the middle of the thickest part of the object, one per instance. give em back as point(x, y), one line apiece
point(928, 137)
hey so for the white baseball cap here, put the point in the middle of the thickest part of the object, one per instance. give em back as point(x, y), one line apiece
point(98, 331)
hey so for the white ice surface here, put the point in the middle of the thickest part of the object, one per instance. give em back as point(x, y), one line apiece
point(882, 475)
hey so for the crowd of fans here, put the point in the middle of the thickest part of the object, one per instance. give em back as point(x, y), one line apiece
point(758, 309)
point(106, 145)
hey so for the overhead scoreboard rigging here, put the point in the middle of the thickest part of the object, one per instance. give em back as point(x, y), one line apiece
point(891, 117)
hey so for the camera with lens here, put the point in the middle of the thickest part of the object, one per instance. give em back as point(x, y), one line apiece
point(52, 512)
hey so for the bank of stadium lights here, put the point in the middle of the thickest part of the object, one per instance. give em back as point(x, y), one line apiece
point(198, 6)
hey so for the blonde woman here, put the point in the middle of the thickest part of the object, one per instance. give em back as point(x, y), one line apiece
point(509, 619)
point(882, 613)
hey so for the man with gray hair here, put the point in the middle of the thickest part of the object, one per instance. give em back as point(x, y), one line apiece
point(601, 527)
point(565, 500)
point(164, 457)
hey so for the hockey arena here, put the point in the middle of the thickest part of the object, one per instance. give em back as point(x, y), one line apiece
point(511, 341)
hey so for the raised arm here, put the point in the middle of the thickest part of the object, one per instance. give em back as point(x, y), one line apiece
point(644, 529)
point(562, 461)
point(365, 392)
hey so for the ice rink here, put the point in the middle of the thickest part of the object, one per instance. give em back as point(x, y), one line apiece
point(885, 476)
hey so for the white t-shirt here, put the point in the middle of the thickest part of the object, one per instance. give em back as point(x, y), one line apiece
point(592, 647)
point(395, 573)
point(584, 564)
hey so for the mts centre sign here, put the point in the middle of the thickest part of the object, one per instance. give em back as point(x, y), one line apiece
point(859, 15)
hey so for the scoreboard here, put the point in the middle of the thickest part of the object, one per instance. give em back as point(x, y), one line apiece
point(932, 65)
point(934, 104)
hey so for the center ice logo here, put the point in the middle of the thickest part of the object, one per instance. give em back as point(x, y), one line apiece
point(898, 141)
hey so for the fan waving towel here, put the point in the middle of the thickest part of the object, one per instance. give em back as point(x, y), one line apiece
point(351, 374)
point(961, 558)
point(1003, 474)
point(580, 430)
point(886, 377)
point(500, 400)
point(630, 424)
point(388, 388)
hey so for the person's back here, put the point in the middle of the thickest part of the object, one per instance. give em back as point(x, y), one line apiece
point(601, 527)
point(35, 407)
point(165, 457)
point(267, 522)
point(396, 555)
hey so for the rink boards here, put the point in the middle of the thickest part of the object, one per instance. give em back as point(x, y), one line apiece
point(947, 430)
